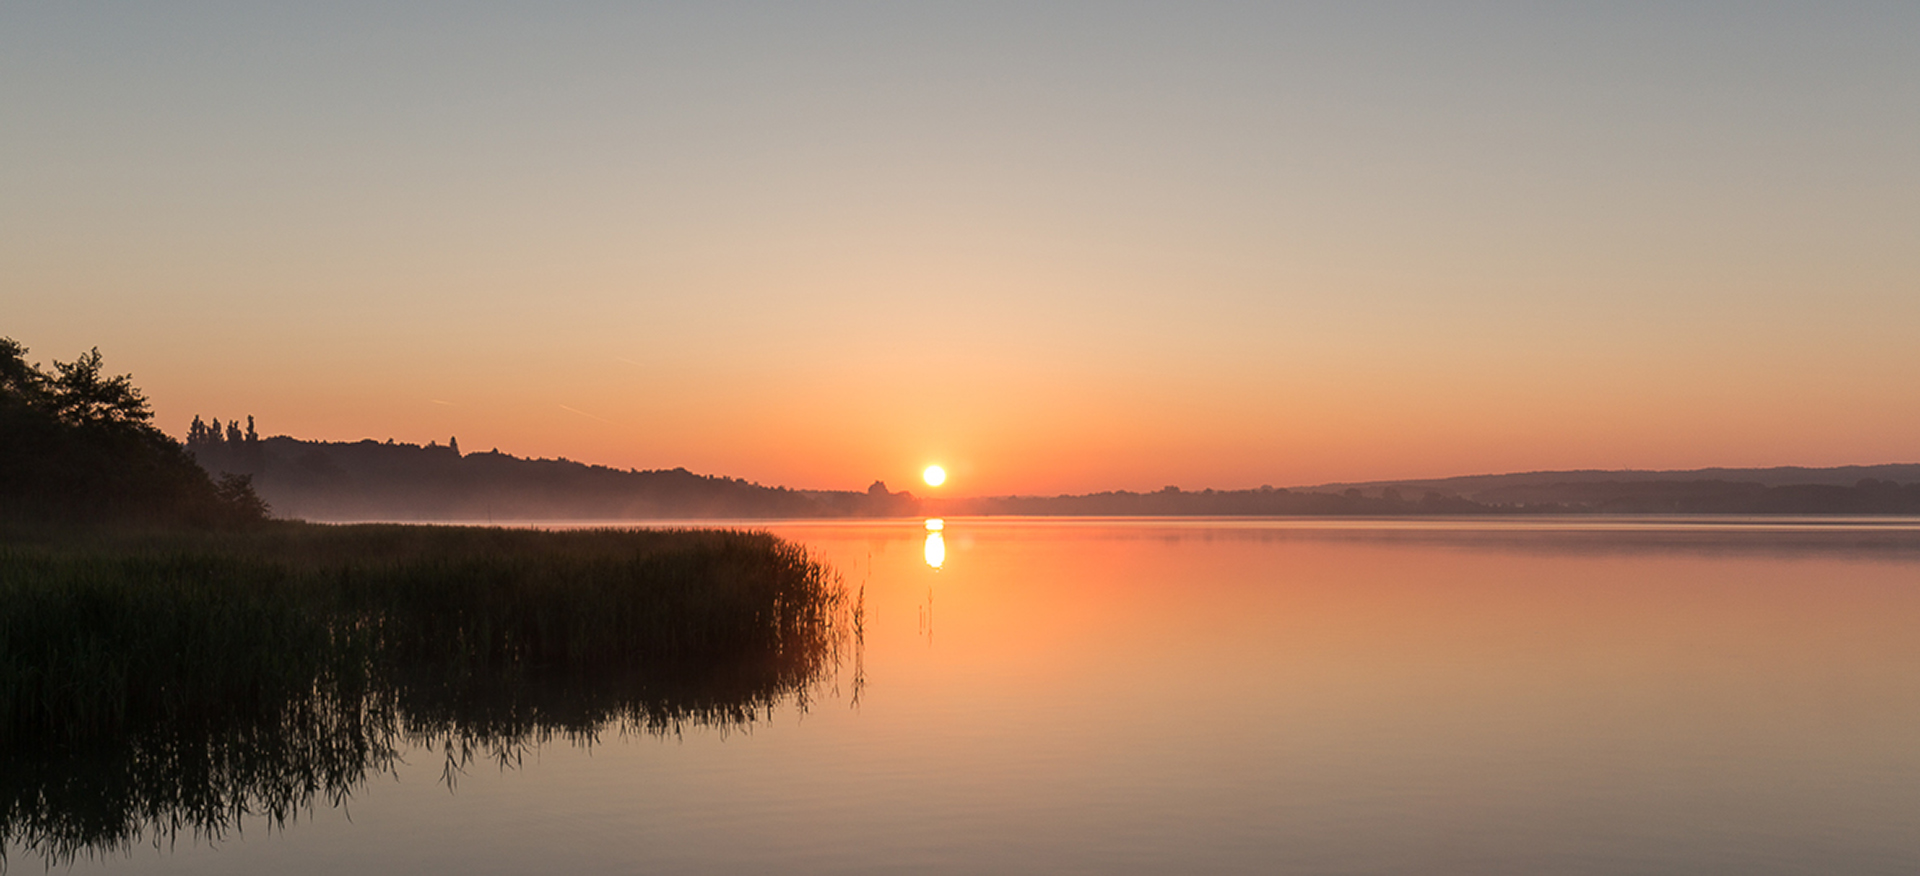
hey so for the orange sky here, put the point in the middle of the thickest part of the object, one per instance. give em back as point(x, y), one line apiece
point(1053, 248)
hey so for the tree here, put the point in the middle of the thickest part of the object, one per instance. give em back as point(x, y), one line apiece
point(237, 491)
point(78, 446)
point(82, 396)
point(20, 382)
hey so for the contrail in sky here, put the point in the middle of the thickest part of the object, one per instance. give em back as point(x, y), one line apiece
point(588, 416)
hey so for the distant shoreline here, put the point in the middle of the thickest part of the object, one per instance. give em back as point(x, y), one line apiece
point(434, 483)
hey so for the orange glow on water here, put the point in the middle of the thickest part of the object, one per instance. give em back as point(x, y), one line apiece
point(1448, 644)
point(935, 551)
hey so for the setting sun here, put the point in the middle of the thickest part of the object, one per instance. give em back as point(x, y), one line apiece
point(1473, 432)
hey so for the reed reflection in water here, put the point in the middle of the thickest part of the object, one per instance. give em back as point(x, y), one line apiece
point(149, 692)
point(1235, 696)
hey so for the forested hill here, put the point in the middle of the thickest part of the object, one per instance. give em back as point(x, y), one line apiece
point(372, 480)
point(1703, 496)
point(1579, 486)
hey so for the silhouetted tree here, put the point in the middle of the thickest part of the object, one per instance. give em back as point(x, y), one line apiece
point(78, 445)
point(20, 382)
point(81, 395)
point(237, 491)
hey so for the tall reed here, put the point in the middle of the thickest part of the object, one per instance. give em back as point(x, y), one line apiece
point(152, 682)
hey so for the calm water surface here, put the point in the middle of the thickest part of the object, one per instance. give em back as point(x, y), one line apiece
point(1624, 696)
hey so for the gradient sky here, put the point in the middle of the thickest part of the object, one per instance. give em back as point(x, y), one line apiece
point(1054, 247)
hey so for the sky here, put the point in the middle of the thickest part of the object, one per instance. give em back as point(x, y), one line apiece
point(1052, 247)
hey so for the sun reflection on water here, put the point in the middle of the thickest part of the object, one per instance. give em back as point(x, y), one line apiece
point(936, 548)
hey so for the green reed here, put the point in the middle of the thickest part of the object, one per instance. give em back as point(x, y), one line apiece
point(158, 682)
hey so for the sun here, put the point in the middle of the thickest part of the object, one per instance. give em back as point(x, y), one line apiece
point(934, 475)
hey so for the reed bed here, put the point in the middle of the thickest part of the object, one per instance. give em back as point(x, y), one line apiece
point(159, 682)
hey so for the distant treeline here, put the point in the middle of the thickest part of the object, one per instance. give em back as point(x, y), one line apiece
point(79, 446)
point(374, 480)
point(1535, 487)
point(1175, 502)
point(1868, 496)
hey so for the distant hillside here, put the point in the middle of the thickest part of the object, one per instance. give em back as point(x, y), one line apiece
point(1564, 486)
point(1498, 495)
point(372, 480)
point(1174, 502)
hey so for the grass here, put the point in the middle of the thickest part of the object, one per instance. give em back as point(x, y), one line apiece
point(153, 682)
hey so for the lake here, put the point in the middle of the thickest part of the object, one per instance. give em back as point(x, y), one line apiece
point(1591, 695)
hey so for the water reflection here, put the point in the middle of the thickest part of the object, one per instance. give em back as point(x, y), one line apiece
point(1235, 697)
point(1890, 538)
point(153, 778)
point(936, 550)
point(1353, 696)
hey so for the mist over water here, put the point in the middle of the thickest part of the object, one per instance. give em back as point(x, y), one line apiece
point(1246, 696)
